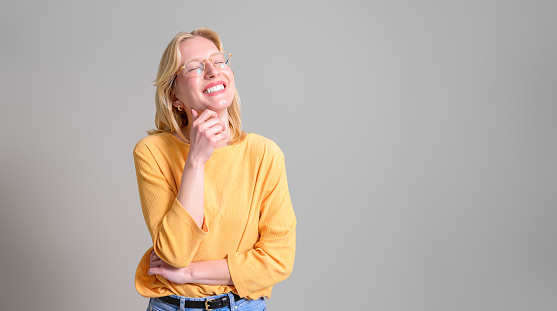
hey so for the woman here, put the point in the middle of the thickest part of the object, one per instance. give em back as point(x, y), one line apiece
point(215, 199)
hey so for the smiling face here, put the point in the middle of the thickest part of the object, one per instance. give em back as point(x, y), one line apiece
point(213, 90)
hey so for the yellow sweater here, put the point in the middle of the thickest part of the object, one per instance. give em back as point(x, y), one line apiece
point(249, 218)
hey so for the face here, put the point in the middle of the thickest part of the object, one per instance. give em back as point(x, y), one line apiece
point(191, 92)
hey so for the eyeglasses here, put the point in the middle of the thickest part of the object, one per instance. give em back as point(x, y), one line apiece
point(196, 67)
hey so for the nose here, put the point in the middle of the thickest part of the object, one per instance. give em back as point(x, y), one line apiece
point(210, 69)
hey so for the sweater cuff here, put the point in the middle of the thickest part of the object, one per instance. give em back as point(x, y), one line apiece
point(239, 266)
point(236, 274)
point(181, 213)
point(179, 237)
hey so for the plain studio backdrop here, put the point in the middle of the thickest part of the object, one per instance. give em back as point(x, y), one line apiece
point(419, 139)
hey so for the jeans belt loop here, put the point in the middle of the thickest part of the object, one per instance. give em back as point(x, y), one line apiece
point(182, 304)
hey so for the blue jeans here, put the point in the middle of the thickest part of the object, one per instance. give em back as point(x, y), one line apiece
point(240, 305)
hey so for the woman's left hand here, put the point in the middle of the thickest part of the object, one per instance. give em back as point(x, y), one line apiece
point(173, 274)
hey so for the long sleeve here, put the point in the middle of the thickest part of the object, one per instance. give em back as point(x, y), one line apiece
point(272, 258)
point(176, 237)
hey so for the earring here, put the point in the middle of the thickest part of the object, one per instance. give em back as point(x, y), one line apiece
point(180, 108)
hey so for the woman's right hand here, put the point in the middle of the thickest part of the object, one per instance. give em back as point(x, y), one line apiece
point(206, 132)
point(157, 266)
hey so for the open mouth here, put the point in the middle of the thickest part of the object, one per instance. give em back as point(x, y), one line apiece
point(214, 88)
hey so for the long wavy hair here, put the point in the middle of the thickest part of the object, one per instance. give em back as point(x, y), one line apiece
point(167, 117)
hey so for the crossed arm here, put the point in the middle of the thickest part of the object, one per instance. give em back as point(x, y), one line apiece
point(212, 272)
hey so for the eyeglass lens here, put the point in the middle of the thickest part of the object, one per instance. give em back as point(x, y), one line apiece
point(196, 67)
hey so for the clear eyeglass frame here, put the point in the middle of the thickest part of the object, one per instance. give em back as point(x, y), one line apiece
point(227, 56)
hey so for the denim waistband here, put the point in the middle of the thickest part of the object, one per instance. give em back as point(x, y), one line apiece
point(200, 299)
point(156, 304)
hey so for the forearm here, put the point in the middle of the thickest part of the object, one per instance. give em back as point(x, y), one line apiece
point(190, 193)
point(212, 272)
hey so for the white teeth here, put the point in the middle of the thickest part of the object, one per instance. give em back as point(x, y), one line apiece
point(214, 89)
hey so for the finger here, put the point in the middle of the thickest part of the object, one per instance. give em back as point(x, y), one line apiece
point(221, 136)
point(205, 115)
point(222, 123)
point(154, 256)
point(210, 124)
point(194, 113)
point(153, 271)
point(217, 129)
point(156, 263)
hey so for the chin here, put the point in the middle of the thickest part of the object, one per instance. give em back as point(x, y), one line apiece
point(218, 106)
point(223, 103)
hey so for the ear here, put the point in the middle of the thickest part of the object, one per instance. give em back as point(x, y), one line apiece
point(176, 102)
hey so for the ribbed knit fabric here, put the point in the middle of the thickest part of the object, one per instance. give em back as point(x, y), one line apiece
point(249, 219)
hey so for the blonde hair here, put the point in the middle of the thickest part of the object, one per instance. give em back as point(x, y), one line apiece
point(167, 117)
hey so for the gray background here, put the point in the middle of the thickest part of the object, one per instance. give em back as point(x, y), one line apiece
point(419, 138)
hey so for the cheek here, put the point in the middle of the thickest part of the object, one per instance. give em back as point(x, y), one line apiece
point(189, 85)
point(186, 89)
point(231, 91)
point(231, 84)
